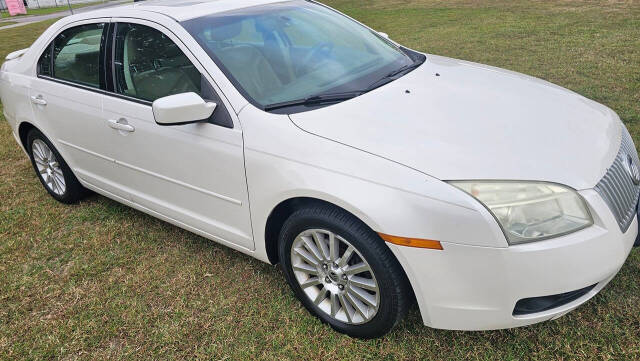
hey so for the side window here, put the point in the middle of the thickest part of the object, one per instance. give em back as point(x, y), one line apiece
point(44, 64)
point(148, 65)
point(76, 55)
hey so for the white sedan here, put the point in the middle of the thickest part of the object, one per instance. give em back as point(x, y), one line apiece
point(374, 174)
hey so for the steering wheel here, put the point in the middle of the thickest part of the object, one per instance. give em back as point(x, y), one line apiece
point(319, 50)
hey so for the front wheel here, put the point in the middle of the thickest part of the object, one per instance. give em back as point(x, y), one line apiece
point(342, 272)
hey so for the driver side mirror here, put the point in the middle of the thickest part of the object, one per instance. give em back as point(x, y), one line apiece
point(384, 35)
point(182, 109)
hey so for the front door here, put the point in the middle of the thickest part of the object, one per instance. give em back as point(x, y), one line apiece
point(193, 174)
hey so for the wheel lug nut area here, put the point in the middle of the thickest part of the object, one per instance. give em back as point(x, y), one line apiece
point(333, 277)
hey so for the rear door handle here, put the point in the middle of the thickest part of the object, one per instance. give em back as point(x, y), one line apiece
point(39, 100)
point(121, 124)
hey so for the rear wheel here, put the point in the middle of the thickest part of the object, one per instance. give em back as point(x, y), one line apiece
point(342, 272)
point(53, 172)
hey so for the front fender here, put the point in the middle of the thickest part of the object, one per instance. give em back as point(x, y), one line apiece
point(282, 162)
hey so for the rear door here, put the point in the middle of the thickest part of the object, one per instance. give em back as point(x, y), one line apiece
point(67, 101)
point(192, 174)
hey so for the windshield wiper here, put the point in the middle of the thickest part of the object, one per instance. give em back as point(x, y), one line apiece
point(393, 75)
point(338, 97)
point(315, 99)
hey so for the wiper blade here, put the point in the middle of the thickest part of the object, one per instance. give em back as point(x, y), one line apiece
point(405, 68)
point(337, 97)
point(315, 99)
point(392, 75)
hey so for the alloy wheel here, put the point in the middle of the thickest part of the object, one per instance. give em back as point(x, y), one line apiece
point(335, 276)
point(48, 167)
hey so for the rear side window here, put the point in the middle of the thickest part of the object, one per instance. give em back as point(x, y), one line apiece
point(76, 55)
point(148, 65)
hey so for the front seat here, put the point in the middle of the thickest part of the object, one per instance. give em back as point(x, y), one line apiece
point(246, 61)
point(157, 66)
point(251, 69)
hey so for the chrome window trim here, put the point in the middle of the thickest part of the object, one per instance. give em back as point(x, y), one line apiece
point(95, 90)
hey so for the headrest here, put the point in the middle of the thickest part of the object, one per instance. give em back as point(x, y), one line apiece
point(230, 28)
point(146, 44)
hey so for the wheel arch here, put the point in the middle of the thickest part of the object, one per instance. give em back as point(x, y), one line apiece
point(285, 208)
point(23, 130)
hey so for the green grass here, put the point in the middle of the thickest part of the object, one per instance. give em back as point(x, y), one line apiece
point(5, 23)
point(100, 280)
point(55, 9)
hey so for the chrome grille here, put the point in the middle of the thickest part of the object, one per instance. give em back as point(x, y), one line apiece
point(617, 187)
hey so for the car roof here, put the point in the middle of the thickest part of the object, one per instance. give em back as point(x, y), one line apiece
point(181, 10)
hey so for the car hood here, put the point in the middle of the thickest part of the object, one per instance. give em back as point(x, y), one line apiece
point(457, 120)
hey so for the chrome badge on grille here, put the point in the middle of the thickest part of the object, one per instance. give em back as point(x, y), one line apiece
point(632, 169)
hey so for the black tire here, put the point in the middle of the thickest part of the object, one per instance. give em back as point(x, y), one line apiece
point(395, 296)
point(74, 191)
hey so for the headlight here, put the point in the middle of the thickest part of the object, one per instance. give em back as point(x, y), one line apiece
point(530, 211)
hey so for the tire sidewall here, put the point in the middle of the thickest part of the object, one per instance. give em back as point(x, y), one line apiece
point(362, 239)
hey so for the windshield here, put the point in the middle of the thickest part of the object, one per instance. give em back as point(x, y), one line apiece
point(283, 52)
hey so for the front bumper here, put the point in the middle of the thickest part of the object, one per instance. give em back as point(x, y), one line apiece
point(476, 288)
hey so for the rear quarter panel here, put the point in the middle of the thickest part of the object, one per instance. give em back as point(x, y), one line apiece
point(17, 77)
point(14, 94)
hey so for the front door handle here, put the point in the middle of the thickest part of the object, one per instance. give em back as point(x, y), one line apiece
point(39, 100)
point(121, 124)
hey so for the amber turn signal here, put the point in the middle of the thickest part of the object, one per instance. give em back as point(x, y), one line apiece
point(411, 242)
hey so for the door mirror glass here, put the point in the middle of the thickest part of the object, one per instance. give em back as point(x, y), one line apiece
point(182, 108)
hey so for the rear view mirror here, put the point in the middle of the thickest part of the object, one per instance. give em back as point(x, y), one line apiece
point(181, 109)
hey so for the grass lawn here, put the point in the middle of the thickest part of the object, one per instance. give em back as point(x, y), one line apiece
point(55, 9)
point(100, 280)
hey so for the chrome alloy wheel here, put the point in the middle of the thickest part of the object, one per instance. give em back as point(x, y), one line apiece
point(48, 167)
point(335, 276)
